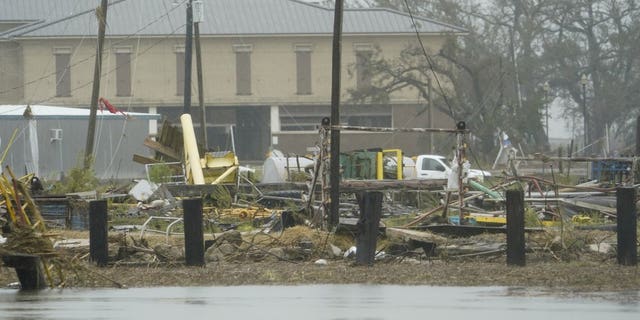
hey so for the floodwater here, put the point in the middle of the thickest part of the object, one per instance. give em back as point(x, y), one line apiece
point(308, 302)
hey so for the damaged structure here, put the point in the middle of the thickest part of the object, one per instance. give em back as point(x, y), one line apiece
point(49, 140)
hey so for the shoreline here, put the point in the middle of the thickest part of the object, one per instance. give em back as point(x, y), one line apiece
point(589, 276)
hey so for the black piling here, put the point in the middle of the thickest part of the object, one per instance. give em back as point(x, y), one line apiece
point(515, 228)
point(98, 231)
point(28, 269)
point(627, 221)
point(193, 234)
point(370, 210)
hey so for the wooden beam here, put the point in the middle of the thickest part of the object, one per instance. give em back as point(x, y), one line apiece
point(144, 160)
point(362, 185)
point(158, 147)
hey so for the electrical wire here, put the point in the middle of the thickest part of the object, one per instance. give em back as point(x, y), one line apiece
point(114, 69)
point(430, 62)
point(123, 40)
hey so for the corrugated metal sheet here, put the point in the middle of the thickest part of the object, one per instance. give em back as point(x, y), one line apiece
point(222, 17)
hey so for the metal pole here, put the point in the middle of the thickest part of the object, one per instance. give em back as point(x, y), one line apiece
point(95, 92)
point(334, 214)
point(187, 59)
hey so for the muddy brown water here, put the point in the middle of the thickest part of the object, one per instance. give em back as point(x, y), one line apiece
point(340, 302)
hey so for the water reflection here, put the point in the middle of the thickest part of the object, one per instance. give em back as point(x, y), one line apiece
point(339, 302)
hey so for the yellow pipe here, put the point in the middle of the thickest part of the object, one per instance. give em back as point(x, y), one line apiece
point(191, 149)
point(225, 174)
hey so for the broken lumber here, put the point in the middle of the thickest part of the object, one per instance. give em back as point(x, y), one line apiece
point(158, 147)
point(406, 234)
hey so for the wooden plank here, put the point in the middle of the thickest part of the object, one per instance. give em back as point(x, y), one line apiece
point(144, 160)
point(378, 185)
point(158, 147)
point(406, 234)
point(595, 207)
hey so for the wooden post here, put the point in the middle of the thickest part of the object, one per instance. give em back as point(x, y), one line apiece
point(28, 269)
point(370, 210)
point(570, 152)
point(515, 228)
point(627, 221)
point(188, 55)
point(193, 234)
point(98, 242)
point(95, 92)
point(203, 112)
point(334, 165)
point(638, 136)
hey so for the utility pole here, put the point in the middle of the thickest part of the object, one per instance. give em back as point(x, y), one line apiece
point(585, 114)
point(430, 115)
point(101, 14)
point(203, 113)
point(334, 213)
point(187, 59)
point(546, 89)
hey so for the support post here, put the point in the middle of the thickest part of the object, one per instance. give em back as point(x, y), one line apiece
point(515, 228)
point(28, 269)
point(334, 214)
point(203, 113)
point(193, 234)
point(187, 58)
point(98, 231)
point(370, 210)
point(627, 222)
point(638, 136)
point(95, 92)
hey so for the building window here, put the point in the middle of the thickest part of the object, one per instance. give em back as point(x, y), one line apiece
point(243, 68)
point(179, 71)
point(303, 68)
point(123, 72)
point(307, 118)
point(364, 53)
point(63, 71)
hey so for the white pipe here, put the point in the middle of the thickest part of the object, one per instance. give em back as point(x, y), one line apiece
point(191, 148)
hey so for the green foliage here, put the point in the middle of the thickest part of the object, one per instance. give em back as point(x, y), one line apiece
point(77, 180)
point(160, 173)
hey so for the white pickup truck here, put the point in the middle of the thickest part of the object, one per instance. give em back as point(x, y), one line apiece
point(428, 166)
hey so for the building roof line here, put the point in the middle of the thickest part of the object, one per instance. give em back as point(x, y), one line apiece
point(28, 23)
point(41, 25)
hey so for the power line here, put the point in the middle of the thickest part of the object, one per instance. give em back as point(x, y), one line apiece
point(116, 68)
point(165, 14)
point(429, 61)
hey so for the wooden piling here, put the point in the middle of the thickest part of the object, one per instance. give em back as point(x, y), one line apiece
point(368, 224)
point(98, 242)
point(515, 228)
point(193, 234)
point(638, 136)
point(28, 269)
point(627, 221)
